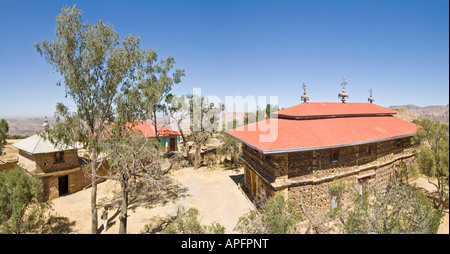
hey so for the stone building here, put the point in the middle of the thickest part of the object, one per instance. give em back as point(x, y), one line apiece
point(306, 150)
point(60, 167)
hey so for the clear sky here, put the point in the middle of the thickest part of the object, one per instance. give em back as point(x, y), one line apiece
point(400, 49)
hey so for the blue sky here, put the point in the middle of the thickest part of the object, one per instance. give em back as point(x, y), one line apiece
point(400, 49)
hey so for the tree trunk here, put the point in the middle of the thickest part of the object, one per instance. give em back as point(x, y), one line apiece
point(94, 194)
point(123, 208)
point(156, 125)
point(198, 155)
point(184, 141)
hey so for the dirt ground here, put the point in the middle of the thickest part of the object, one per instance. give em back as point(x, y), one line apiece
point(214, 192)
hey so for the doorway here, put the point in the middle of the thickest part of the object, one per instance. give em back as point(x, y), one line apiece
point(63, 185)
point(172, 144)
point(363, 185)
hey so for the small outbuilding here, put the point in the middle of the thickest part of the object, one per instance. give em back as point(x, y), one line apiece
point(59, 166)
point(169, 139)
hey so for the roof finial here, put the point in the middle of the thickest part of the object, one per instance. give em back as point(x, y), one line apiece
point(371, 99)
point(343, 94)
point(45, 125)
point(343, 84)
point(304, 97)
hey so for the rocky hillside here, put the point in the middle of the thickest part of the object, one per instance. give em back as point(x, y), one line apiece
point(434, 113)
point(26, 126)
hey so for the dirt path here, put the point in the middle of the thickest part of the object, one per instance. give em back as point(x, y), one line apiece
point(213, 192)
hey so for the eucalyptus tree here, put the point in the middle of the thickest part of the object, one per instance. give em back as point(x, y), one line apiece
point(95, 65)
point(156, 79)
point(204, 116)
point(432, 155)
point(136, 166)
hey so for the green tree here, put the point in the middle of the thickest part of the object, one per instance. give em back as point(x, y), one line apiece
point(260, 114)
point(156, 84)
point(95, 65)
point(230, 146)
point(270, 109)
point(22, 202)
point(136, 165)
point(4, 128)
point(178, 114)
point(203, 117)
point(401, 210)
point(432, 155)
point(186, 222)
point(275, 216)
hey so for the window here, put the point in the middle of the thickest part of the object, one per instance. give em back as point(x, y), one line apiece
point(363, 186)
point(399, 143)
point(396, 174)
point(59, 157)
point(334, 156)
point(368, 150)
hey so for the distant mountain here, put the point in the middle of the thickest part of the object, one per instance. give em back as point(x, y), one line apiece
point(29, 126)
point(434, 113)
point(26, 126)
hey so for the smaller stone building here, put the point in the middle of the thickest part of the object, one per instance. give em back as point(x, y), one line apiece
point(60, 167)
point(169, 139)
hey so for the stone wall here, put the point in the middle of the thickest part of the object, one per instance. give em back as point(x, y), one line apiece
point(7, 165)
point(78, 179)
point(309, 176)
point(47, 162)
point(50, 168)
point(26, 161)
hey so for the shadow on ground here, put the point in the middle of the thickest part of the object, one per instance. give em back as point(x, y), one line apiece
point(58, 225)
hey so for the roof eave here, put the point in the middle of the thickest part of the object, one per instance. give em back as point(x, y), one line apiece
point(303, 149)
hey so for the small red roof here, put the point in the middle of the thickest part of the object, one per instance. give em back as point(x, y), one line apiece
point(289, 135)
point(332, 109)
point(148, 130)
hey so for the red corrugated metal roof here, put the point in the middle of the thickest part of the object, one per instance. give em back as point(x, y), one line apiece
point(148, 130)
point(299, 135)
point(335, 109)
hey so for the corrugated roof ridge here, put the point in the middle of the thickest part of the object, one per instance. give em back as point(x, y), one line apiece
point(35, 146)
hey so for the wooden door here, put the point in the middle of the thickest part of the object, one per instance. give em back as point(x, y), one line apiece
point(172, 144)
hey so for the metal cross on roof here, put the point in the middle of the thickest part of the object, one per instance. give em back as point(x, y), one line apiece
point(371, 99)
point(343, 95)
point(343, 84)
point(304, 97)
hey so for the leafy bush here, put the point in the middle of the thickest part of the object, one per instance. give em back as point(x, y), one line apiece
point(22, 201)
point(186, 222)
point(275, 216)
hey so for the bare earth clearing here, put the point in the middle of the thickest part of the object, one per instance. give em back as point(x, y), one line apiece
point(214, 192)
